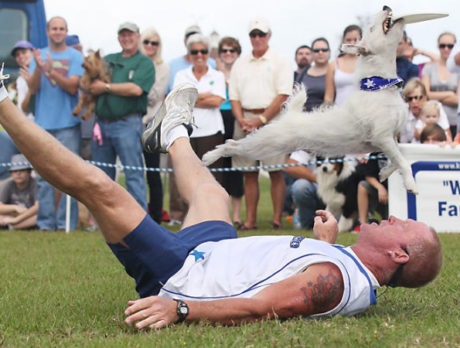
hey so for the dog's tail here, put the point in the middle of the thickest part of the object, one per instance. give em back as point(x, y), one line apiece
point(297, 100)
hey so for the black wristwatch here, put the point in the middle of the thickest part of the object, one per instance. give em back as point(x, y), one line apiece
point(182, 310)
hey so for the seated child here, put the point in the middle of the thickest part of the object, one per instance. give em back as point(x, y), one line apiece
point(18, 199)
point(430, 114)
point(433, 134)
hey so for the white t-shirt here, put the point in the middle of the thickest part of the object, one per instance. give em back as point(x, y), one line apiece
point(454, 68)
point(208, 121)
point(242, 267)
point(304, 157)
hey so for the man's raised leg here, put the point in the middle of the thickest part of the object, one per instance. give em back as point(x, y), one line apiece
point(116, 212)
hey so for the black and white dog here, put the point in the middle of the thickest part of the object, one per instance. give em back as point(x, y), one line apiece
point(338, 189)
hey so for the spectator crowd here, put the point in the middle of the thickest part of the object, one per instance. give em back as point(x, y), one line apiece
point(238, 92)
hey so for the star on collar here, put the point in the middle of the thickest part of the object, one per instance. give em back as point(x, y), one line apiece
point(198, 254)
point(369, 83)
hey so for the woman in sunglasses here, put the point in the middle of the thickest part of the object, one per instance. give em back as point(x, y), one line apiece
point(415, 95)
point(440, 83)
point(150, 45)
point(314, 77)
point(340, 80)
point(208, 130)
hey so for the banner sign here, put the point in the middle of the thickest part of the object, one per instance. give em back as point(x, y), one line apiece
point(437, 174)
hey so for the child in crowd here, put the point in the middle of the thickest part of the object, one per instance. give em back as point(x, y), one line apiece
point(429, 115)
point(433, 134)
point(18, 199)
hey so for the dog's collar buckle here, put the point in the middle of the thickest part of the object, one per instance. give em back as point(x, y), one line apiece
point(377, 83)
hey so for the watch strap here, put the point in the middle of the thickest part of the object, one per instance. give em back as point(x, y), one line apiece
point(182, 310)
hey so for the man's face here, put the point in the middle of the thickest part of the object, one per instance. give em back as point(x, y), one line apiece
point(57, 31)
point(20, 177)
point(129, 41)
point(23, 56)
point(402, 46)
point(259, 40)
point(303, 57)
point(393, 231)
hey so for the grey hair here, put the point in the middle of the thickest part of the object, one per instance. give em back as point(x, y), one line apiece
point(197, 38)
point(149, 33)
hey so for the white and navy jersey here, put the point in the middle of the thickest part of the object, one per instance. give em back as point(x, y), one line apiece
point(240, 268)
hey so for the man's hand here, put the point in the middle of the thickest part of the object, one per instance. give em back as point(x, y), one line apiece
point(97, 87)
point(325, 227)
point(152, 312)
point(383, 194)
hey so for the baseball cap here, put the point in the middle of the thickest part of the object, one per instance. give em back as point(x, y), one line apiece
point(19, 162)
point(193, 29)
point(71, 40)
point(21, 44)
point(259, 24)
point(128, 26)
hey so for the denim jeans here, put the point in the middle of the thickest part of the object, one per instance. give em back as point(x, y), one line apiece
point(7, 150)
point(123, 138)
point(304, 195)
point(48, 218)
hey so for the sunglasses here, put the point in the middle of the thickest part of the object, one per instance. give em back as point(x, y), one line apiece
point(415, 97)
point(254, 35)
point(151, 43)
point(449, 46)
point(317, 50)
point(225, 50)
point(195, 52)
point(398, 273)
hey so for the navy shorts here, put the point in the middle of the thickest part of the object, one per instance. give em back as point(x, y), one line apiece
point(155, 253)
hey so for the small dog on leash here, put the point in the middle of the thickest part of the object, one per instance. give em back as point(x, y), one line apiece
point(95, 68)
point(338, 189)
point(369, 120)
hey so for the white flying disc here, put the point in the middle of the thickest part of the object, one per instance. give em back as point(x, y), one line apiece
point(420, 17)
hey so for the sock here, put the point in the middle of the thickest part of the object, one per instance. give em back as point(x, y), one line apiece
point(175, 133)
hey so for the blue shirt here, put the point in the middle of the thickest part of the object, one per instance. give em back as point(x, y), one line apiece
point(53, 105)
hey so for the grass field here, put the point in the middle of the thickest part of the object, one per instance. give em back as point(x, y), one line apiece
point(70, 291)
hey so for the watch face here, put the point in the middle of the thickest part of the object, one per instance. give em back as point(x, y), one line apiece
point(183, 310)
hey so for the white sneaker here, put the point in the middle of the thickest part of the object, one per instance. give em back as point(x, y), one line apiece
point(175, 111)
point(3, 91)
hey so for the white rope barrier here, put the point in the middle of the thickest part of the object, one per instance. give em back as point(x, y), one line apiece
point(240, 169)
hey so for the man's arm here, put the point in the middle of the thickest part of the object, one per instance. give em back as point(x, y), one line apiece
point(316, 290)
point(31, 211)
point(208, 101)
point(69, 84)
point(124, 89)
point(300, 172)
point(273, 109)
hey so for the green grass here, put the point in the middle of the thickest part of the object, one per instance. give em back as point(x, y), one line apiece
point(70, 291)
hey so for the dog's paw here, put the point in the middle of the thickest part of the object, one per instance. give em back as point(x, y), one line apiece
point(410, 185)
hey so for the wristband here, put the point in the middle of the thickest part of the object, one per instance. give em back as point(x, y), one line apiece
point(107, 87)
point(263, 119)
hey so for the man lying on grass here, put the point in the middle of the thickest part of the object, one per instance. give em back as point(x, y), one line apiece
point(206, 272)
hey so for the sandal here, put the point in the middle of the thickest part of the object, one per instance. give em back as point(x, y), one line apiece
point(237, 224)
point(276, 226)
point(247, 228)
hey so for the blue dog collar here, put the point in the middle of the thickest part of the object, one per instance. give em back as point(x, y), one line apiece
point(377, 83)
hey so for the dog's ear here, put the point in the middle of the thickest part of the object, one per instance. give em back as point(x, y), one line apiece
point(355, 49)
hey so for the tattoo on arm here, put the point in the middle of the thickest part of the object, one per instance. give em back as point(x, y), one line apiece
point(324, 294)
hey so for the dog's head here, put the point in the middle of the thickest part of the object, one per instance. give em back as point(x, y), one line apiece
point(93, 64)
point(377, 49)
point(330, 166)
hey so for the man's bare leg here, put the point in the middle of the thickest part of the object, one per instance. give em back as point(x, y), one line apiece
point(116, 212)
point(207, 200)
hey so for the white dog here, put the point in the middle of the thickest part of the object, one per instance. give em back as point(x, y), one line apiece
point(367, 121)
